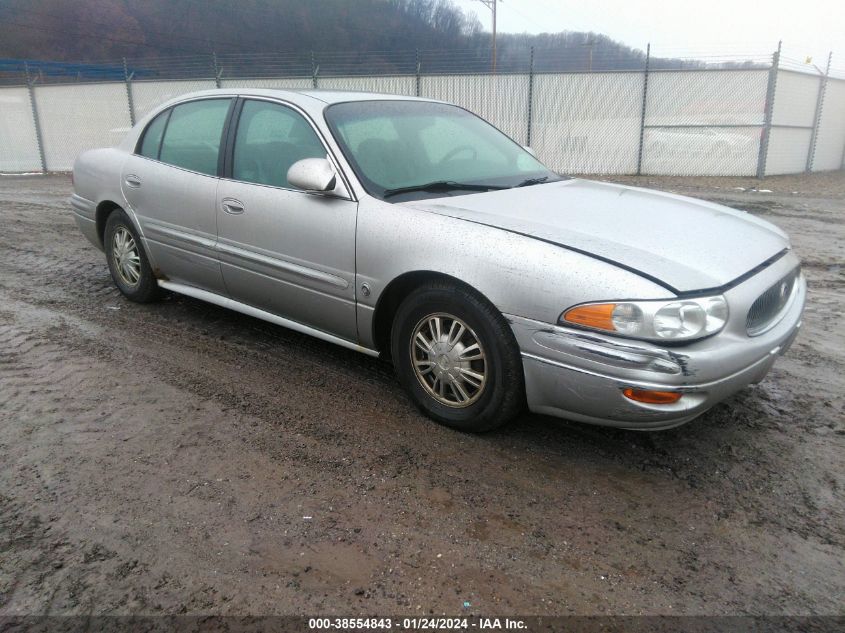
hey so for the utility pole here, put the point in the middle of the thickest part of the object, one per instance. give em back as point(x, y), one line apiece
point(491, 4)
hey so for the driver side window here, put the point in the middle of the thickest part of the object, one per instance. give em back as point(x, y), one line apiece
point(270, 138)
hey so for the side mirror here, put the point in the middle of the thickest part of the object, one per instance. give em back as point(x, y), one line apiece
point(529, 150)
point(312, 174)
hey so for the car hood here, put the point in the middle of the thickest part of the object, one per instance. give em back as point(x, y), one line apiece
point(684, 243)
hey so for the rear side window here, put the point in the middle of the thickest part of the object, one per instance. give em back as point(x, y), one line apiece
point(192, 137)
point(152, 136)
point(271, 138)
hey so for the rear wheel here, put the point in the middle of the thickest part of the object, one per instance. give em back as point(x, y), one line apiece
point(456, 356)
point(128, 263)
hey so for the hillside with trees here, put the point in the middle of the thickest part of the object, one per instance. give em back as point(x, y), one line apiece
point(94, 30)
point(291, 37)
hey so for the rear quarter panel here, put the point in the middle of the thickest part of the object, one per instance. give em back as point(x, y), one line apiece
point(96, 174)
point(96, 179)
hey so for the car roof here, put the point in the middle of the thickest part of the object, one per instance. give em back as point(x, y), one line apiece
point(325, 96)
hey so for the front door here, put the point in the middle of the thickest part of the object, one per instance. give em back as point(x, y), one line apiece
point(283, 250)
point(171, 186)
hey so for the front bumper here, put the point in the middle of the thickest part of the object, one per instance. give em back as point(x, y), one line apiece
point(581, 375)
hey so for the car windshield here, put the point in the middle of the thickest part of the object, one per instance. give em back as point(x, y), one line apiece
point(411, 150)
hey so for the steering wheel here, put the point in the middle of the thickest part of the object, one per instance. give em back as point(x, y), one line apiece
point(461, 148)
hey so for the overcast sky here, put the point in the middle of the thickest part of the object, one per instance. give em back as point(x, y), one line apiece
point(807, 27)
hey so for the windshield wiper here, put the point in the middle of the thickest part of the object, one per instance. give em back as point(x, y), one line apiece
point(532, 181)
point(441, 185)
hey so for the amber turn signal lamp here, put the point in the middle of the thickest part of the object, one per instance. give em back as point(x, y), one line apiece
point(652, 397)
point(597, 315)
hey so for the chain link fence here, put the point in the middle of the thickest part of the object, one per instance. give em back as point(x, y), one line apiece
point(590, 113)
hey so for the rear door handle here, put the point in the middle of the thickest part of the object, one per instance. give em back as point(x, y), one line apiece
point(232, 206)
point(132, 181)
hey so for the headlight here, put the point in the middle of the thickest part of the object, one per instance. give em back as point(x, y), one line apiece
point(672, 320)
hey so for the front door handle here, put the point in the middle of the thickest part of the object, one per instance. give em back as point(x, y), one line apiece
point(232, 206)
point(132, 180)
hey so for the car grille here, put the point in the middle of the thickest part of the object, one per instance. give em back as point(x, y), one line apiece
point(768, 306)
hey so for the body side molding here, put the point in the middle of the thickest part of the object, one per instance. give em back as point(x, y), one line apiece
point(243, 308)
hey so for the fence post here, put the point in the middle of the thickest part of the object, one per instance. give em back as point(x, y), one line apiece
point(530, 96)
point(128, 78)
point(216, 68)
point(811, 152)
point(419, 65)
point(30, 84)
point(767, 118)
point(315, 69)
point(842, 164)
point(642, 111)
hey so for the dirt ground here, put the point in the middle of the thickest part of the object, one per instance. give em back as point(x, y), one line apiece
point(181, 458)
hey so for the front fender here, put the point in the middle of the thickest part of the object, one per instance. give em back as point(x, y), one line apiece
point(520, 275)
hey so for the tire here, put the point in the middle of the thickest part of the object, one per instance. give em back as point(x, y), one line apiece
point(501, 395)
point(132, 273)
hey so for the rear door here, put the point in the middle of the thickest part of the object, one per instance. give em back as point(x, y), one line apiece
point(171, 185)
point(283, 250)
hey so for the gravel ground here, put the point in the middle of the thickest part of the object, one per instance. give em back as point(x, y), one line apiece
point(181, 458)
point(829, 185)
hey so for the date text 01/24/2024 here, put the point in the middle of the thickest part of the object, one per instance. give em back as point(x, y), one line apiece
point(420, 624)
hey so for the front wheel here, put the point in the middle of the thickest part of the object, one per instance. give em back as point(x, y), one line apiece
point(456, 356)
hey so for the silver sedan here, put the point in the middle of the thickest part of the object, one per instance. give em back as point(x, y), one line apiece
point(412, 229)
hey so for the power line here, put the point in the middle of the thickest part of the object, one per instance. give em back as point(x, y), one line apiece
point(511, 7)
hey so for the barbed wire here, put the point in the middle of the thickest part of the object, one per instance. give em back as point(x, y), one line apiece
point(580, 57)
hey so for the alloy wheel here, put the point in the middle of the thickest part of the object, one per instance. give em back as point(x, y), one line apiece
point(449, 360)
point(127, 259)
